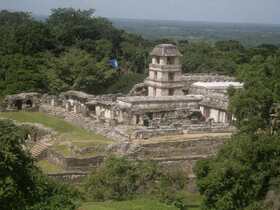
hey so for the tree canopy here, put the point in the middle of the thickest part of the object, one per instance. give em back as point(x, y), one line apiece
point(22, 184)
point(246, 171)
point(72, 50)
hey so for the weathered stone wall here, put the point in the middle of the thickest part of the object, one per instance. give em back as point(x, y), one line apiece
point(140, 89)
point(87, 123)
point(179, 149)
point(73, 164)
point(147, 133)
point(38, 132)
point(178, 154)
point(69, 177)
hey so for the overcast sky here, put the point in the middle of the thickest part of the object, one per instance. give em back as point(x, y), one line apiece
point(258, 11)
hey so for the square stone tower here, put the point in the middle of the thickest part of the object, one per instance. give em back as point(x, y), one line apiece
point(165, 72)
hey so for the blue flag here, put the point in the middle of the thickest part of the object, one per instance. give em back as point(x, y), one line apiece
point(114, 63)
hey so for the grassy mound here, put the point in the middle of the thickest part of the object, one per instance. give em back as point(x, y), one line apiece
point(68, 134)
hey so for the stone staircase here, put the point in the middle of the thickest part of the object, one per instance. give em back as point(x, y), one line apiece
point(38, 149)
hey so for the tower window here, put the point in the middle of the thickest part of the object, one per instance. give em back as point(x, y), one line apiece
point(170, 61)
point(157, 60)
point(155, 75)
point(171, 76)
point(170, 92)
point(155, 91)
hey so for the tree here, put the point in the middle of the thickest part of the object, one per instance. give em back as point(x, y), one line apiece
point(229, 45)
point(69, 25)
point(22, 184)
point(16, 168)
point(103, 49)
point(79, 70)
point(14, 18)
point(252, 104)
point(22, 34)
point(122, 179)
point(241, 174)
point(19, 73)
point(245, 170)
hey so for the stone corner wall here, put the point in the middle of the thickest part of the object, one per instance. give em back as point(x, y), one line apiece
point(73, 163)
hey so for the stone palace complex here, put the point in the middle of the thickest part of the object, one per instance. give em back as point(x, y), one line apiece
point(170, 117)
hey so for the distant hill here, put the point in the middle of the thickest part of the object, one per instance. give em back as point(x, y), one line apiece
point(248, 34)
point(40, 17)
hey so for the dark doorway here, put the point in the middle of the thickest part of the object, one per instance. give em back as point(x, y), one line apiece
point(170, 92)
point(137, 119)
point(150, 115)
point(92, 109)
point(18, 104)
point(29, 104)
point(146, 123)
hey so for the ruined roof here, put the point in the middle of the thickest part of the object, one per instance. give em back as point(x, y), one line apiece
point(77, 94)
point(207, 77)
point(151, 99)
point(22, 96)
point(218, 85)
point(166, 50)
point(105, 103)
point(215, 102)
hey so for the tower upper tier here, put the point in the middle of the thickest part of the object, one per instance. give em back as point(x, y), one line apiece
point(166, 50)
point(165, 72)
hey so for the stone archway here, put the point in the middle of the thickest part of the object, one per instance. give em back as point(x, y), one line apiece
point(29, 103)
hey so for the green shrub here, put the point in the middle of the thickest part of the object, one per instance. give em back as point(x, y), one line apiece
point(121, 179)
point(22, 185)
point(240, 176)
point(126, 82)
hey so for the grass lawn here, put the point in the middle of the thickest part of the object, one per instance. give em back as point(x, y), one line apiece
point(48, 167)
point(67, 133)
point(194, 201)
point(138, 204)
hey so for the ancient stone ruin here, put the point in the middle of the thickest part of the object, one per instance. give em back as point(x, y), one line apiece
point(167, 99)
point(22, 101)
point(170, 117)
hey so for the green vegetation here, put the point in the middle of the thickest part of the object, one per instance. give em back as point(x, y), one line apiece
point(119, 183)
point(138, 204)
point(67, 130)
point(193, 201)
point(48, 167)
point(120, 179)
point(72, 50)
point(68, 134)
point(22, 185)
point(253, 105)
point(245, 174)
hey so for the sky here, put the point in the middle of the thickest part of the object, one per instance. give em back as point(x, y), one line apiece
point(255, 11)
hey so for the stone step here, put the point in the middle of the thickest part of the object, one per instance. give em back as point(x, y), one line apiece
point(38, 148)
